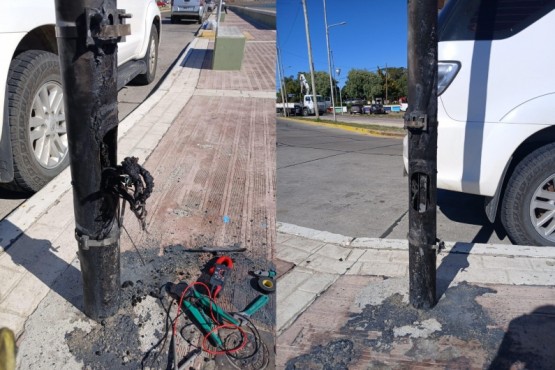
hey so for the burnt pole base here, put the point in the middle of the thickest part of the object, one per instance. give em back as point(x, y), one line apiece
point(100, 270)
point(422, 273)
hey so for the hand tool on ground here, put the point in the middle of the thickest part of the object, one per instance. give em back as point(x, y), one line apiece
point(201, 319)
point(252, 308)
point(207, 305)
point(218, 274)
point(265, 273)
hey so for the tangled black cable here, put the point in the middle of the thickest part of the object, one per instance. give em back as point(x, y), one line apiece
point(134, 184)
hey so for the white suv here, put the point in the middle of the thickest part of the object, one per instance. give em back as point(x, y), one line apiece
point(496, 111)
point(33, 140)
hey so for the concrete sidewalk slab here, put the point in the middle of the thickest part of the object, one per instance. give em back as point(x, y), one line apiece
point(346, 305)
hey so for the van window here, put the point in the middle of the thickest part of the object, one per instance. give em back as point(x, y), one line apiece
point(489, 19)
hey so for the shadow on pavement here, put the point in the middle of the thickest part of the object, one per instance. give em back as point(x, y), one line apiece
point(39, 257)
point(455, 261)
point(528, 342)
point(9, 194)
point(195, 58)
point(469, 209)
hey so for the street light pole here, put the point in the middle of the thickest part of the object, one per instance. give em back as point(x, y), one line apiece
point(329, 56)
point(310, 62)
point(338, 71)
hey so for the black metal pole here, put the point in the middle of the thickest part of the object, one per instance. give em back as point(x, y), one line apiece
point(421, 122)
point(88, 32)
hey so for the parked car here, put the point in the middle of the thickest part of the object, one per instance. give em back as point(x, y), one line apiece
point(33, 140)
point(496, 133)
point(187, 9)
point(376, 109)
point(356, 109)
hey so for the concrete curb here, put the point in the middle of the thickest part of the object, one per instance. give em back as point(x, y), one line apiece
point(347, 127)
point(402, 244)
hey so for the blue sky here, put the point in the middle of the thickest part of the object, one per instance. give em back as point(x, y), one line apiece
point(375, 35)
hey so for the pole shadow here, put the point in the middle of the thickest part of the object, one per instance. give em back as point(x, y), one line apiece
point(40, 258)
point(455, 261)
point(528, 342)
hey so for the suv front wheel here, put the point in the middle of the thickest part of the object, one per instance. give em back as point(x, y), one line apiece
point(37, 120)
point(528, 209)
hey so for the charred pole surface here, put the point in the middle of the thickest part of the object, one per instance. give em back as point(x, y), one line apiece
point(421, 123)
point(88, 32)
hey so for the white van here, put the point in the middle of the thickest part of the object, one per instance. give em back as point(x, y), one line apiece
point(496, 111)
point(187, 9)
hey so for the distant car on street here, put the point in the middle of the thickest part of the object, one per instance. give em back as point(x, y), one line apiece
point(376, 109)
point(33, 133)
point(187, 9)
point(356, 109)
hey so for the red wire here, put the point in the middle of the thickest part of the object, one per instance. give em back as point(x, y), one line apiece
point(231, 326)
point(225, 351)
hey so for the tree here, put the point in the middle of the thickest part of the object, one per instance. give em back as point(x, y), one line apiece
point(396, 82)
point(292, 88)
point(322, 82)
point(367, 85)
point(364, 84)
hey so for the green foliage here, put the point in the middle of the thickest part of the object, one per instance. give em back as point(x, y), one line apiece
point(322, 82)
point(361, 83)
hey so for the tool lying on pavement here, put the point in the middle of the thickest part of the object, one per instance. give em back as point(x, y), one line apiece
point(252, 308)
point(264, 273)
point(208, 306)
point(199, 317)
point(218, 274)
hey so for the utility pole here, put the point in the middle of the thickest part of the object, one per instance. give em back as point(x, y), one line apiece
point(386, 84)
point(311, 64)
point(338, 70)
point(281, 82)
point(421, 122)
point(329, 60)
point(88, 32)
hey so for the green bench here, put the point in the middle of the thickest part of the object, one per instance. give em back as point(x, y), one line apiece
point(228, 49)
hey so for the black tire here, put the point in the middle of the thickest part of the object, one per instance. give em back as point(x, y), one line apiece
point(173, 19)
point(305, 112)
point(151, 59)
point(532, 172)
point(28, 73)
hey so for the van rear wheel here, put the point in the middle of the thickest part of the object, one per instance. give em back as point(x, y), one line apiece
point(528, 209)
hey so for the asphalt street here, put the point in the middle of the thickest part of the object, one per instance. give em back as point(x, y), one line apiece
point(353, 184)
point(174, 39)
